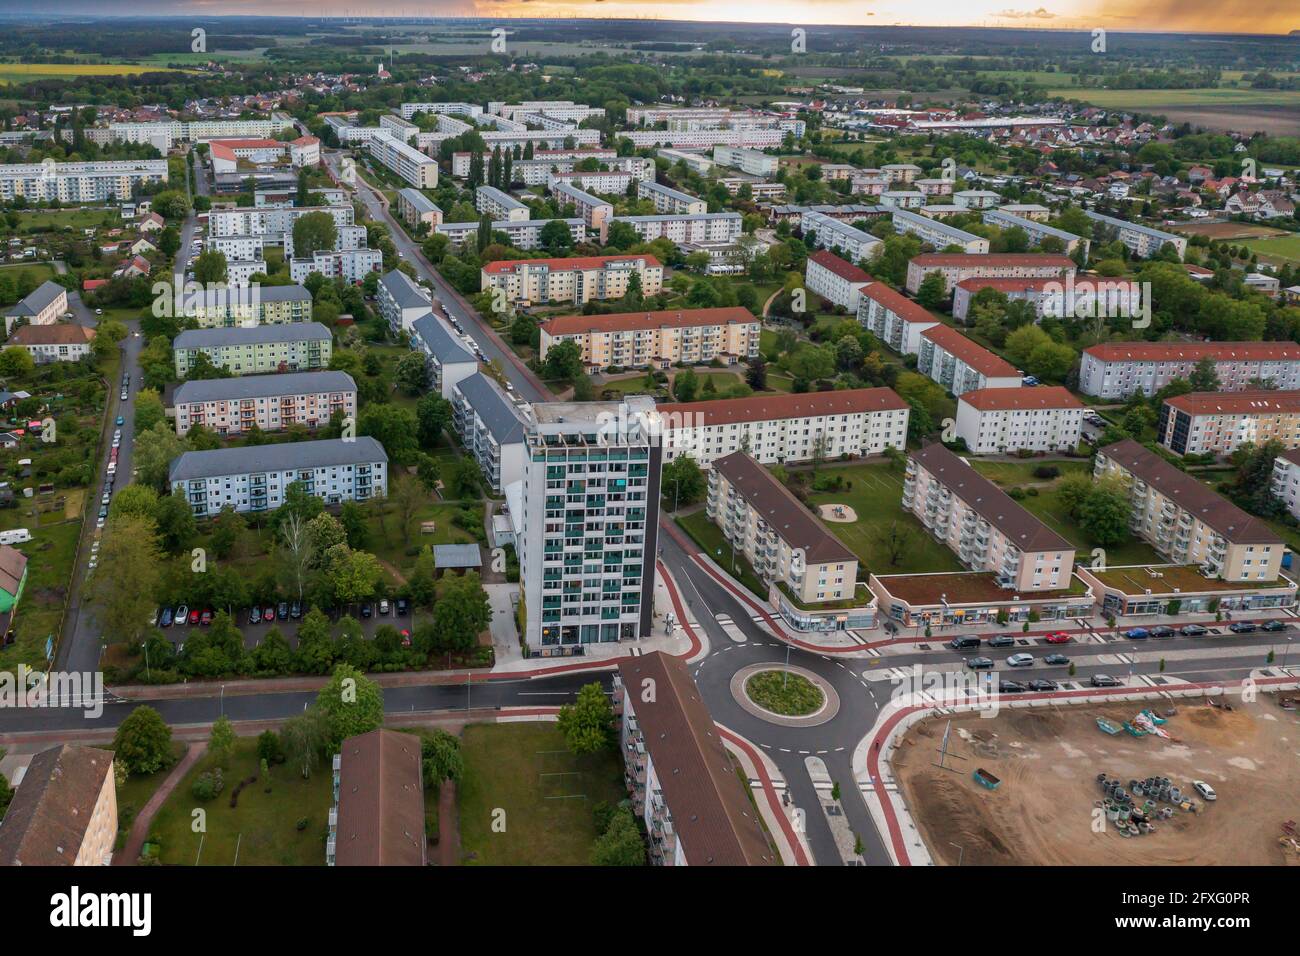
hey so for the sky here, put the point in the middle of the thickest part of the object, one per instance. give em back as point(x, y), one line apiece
point(1203, 16)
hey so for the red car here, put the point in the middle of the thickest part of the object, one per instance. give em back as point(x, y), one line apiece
point(406, 638)
point(206, 618)
point(1057, 637)
point(194, 616)
point(269, 613)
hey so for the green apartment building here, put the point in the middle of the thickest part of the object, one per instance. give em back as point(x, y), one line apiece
point(256, 350)
point(248, 305)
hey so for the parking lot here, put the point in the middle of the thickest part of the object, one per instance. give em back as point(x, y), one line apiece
point(282, 616)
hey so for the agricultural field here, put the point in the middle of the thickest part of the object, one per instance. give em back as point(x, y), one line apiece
point(1286, 247)
point(29, 72)
point(1228, 230)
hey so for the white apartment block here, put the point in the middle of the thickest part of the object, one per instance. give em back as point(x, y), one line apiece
point(893, 318)
point(729, 334)
point(237, 247)
point(959, 365)
point(840, 236)
point(414, 167)
point(695, 162)
point(1142, 241)
point(606, 182)
point(577, 280)
point(45, 305)
point(523, 234)
point(471, 110)
point(1285, 484)
point(1008, 420)
point(558, 109)
point(902, 199)
point(839, 282)
point(492, 429)
point(785, 428)
point(679, 228)
point(351, 265)
point(398, 127)
point(1055, 297)
point(934, 233)
point(787, 546)
point(269, 222)
point(169, 132)
point(79, 182)
point(414, 207)
point(1036, 231)
point(594, 211)
point(401, 300)
point(232, 406)
point(982, 525)
point(1186, 521)
point(240, 272)
point(1217, 423)
point(588, 535)
point(447, 358)
point(498, 204)
point(976, 198)
point(749, 138)
point(901, 172)
point(1118, 369)
point(669, 200)
point(933, 187)
point(257, 478)
point(750, 161)
point(957, 266)
point(534, 171)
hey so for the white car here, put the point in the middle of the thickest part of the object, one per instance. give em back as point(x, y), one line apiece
point(99, 522)
point(1020, 660)
point(1205, 790)
point(105, 500)
point(99, 311)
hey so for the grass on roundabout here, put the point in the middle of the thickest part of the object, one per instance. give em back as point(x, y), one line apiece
point(784, 693)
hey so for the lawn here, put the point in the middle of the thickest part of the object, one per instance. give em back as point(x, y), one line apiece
point(81, 217)
point(1284, 247)
point(135, 793)
point(875, 494)
point(791, 695)
point(263, 826)
point(40, 271)
point(1008, 474)
point(709, 537)
point(1154, 99)
point(50, 557)
point(521, 775)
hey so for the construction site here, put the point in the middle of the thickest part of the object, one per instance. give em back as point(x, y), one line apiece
point(1192, 782)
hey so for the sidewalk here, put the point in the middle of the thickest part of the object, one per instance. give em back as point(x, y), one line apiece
point(130, 852)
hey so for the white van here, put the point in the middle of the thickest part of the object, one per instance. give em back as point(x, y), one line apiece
point(16, 536)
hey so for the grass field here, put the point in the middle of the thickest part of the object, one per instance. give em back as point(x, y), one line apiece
point(1154, 99)
point(40, 271)
point(135, 793)
point(709, 537)
point(521, 775)
point(1287, 247)
point(263, 826)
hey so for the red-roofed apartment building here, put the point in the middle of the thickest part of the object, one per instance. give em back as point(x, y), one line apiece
point(657, 339)
point(834, 279)
point(576, 280)
point(786, 427)
point(226, 153)
point(1000, 420)
point(958, 266)
point(961, 366)
point(1201, 423)
point(1055, 297)
point(1118, 369)
point(894, 318)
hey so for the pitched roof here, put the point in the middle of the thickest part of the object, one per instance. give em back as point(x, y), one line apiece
point(439, 340)
point(381, 801)
point(1194, 351)
point(40, 298)
point(899, 304)
point(1007, 399)
point(1022, 259)
point(976, 356)
point(669, 318)
point(405, 291)
point(280, 456)
point(714, 819)
point(251, 335)
point(1192, 495)
point(262, 386)
point(61, 333)
point(988, 500)
point(567, 265)
point(500, 416)
point(758, 408)
point(46, 822)
point(1237, 403)
point(845, 270)
point(789, 517)
point(13, 565)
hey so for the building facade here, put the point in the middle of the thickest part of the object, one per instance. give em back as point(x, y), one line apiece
point(1118, 369)
point(1001, 420)
point(232, 406)
point(960, 365)
point(257, 349)
point(577, 280)
point(1212, 423)
point(657, 339)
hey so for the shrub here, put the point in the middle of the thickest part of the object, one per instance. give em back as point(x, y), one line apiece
point(1047, 471)
point(208, 785)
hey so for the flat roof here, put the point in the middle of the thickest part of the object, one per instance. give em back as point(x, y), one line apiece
point(457, 556)
point(1176, 578)
point(966, 587)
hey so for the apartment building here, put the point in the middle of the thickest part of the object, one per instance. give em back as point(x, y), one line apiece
point(1003, 420)
point(828, 233)
point(590, 502)
point(784, 542)
point(785, 428)
point(1285, 484)
point(1036, 230)
point(492, 428)
point(594, 211)
point(544, 160)
point(270, 222)
point(238, 248)
point(605, 182)
point(1118, 369)
point(982, 525)
point(839, 282)
point(976, 198)
point(414, 167)
point(401, 300)
point(687, 227)
point(956, 267)
point(1055, 297)
point(577, 280)
point(524, 234)
point(745, 138)
point(893, 318)
point(396, 126)
point(260, 305)
point(351, 265)
point(1142, 241)
point(45, 305)
point(751, 161)
point(498, 204)
point(1214, 423)
point(469, 110)
point(232, 406)
point(669, 200)
point(64, 342)
point(934, 233)
point(256, 478)
point(961, 366)
point(933, 187)
point(566, 110)
point(378, 813)
point(657, 339)
point(1187, 522)
point(695, 162)
point(448, 358)
point(902, 172)
point(64, 812)
point(415, 207)
point(902, 199)
point(256, 349)
point(79, 182)
point(682, 780)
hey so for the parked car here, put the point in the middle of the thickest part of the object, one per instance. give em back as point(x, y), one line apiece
point(1057, 637)
point(282, 612)
point(406, 638)
point(120, 421)
point(1011, 687)
point(1020, 660)
point(255, 615)
point(182, 615)
point(1205, 790)
point(295, 610)
point(1103, 680)
point(124, 395)
point(367, 610)
point(1193, 630)
point(403, 606)
point(268, 613)
point(384, 607)
point(1029, 381)
point(979, 663)
point(195, 614)
point(206, 617)
point(106, 499)
point(1043, 685)
point(1273, 626)
point(1002, 640)
point(1163, 630)
point(1137, 634)
point(1243, 627)
point(960, 643)
point(1056, 659)
point(165, 617)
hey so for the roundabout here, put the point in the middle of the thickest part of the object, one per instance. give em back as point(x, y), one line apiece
point(785, 695)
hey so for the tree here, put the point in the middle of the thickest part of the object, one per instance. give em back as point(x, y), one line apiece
point(393, 427)
point(148, 410)
point(682, 481)
point(169, 240)
point(210, 267)
point(175, 522)
point(555, 236)
point(143, 742)
point(16, 362)
point(932, 290)
point(352, 704)
point(304, 738)
point(1105, 513)
point(412, 373)
point(440, 757)
point(352, 575)
point(461, 613)
point(221, 741)
point(895, 538)
point(138, 500)
point(122, 588)
point(421, 583)
point(563, 362)
point(1205, 377)
point(587, 723)
point(433, 415)
point(312, 233)
point(620, 844)
point(155, 450)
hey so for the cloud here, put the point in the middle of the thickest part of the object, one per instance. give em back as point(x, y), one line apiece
point(1040, 14)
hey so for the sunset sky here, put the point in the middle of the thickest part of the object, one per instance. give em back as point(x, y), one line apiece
point(1206, 16)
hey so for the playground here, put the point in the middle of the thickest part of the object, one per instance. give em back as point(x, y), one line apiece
point(1047, 795)
point(843, 514)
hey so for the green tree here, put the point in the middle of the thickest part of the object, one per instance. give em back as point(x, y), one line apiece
point(305, 737)
point(462, 613)
point(221, 741)
point(210, 267)
point(143, 742)
point(1105, 513)
point(352, 704)
point(122, 588)
point(682, 482)
point(440, 757)
point(312, 233)
point(620, 844)
point(587, 724)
